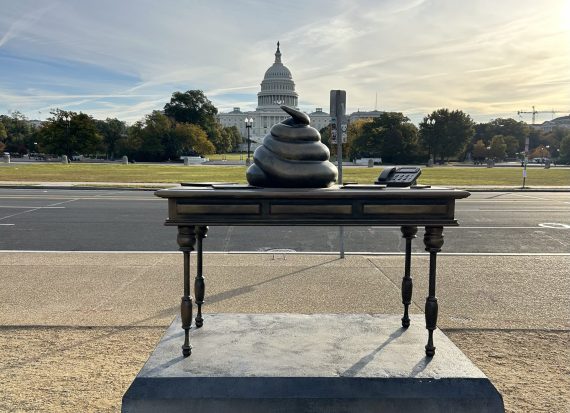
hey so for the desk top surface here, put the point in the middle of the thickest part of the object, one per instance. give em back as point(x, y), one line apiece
point(212, 190)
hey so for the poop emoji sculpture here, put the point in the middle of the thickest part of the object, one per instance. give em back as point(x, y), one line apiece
point(292, 156)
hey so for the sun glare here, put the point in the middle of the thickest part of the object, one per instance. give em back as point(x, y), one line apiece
point(565, 15)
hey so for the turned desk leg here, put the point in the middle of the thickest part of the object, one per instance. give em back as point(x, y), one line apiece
point(186, 240)
point(433, 240)
point(199, 284)
point(409, 233)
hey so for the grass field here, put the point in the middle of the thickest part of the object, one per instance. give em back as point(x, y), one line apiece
point(449, 175)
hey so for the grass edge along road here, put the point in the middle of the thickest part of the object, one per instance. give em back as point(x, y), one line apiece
point(145, 173)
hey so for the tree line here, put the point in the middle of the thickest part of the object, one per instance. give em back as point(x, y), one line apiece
point(188, 125)
point(445, 135)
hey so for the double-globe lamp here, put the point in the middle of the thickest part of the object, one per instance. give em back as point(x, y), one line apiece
point(248, 125)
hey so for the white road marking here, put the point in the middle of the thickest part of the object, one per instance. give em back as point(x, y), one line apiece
point(35, 209)
point(7, 225)
point(556, 225)
point(481, 227)
point(530, 196)
point(27, 207)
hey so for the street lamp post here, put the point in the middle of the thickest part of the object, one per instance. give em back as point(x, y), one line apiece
point(431, 124)
point(248, 125)
point(67, 120)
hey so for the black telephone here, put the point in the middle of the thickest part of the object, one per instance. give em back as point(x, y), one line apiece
point(403, 176)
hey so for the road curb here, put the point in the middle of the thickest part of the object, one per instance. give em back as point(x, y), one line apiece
point(127, 187)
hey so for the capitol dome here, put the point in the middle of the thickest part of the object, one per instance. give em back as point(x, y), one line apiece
point(277, 87)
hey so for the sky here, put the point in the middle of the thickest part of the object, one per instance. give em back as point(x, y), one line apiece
point(125, 58)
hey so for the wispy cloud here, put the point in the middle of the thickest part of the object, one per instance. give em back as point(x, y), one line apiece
point(126, 58)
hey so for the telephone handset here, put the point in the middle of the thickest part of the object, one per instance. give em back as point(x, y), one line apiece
point(403, 176)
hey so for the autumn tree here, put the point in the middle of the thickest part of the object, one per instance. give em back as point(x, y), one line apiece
point(498, 148)
point(391, 136)
point(479, 151)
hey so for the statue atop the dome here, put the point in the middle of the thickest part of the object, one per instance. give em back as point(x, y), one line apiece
point(292, 156)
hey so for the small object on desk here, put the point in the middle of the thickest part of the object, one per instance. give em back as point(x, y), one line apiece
point(420, 186)
point(402, 177)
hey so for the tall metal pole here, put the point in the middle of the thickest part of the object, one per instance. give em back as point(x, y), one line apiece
point(338, 108)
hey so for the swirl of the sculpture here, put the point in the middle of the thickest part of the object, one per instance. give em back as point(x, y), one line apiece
point(292, 156)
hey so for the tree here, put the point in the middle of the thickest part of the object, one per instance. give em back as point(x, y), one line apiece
point(498, 148)
point(112, 130)
point(444, 133)
point(509, 127)
point(191, 106)
point(540, 152)
point(391, 136)
point(131, 143)
point(69, 133)
point(193, 140)
point(565, 149)
point(235, 136)
point(18, 132)
point(194, 107)
point(3, 136)
point(479, 151)
point(512, 146)
point(354, 130)
point(221, 139)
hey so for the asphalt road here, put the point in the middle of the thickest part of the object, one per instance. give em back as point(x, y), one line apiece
point(112, 220)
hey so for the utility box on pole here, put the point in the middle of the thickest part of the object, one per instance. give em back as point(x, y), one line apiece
point(338, 113)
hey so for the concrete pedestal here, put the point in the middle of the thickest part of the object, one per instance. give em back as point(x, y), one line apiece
point(309, 363)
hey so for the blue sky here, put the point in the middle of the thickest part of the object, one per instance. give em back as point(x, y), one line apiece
point(125, 58)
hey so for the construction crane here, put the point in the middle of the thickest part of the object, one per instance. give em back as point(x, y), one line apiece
point(535, 112)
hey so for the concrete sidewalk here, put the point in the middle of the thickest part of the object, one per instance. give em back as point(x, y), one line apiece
point(75, 328)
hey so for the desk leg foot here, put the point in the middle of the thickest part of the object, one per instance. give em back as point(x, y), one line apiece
point(186, 315)
point(409, 233)
point(433, 240)
point(186, 240)
point(199, 283)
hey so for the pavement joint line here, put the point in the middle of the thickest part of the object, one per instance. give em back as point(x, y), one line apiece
point(81, 327)
point(355, 253)
point(398, 288)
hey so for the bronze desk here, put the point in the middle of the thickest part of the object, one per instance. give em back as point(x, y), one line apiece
point(193, 208)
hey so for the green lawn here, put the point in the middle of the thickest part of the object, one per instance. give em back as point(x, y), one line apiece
point(449, 175)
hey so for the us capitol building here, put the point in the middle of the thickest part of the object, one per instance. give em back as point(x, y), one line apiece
point(277, 88)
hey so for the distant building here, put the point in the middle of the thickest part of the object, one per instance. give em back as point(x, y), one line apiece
point(364, 115)
point(549, 125)
point(277, 88)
